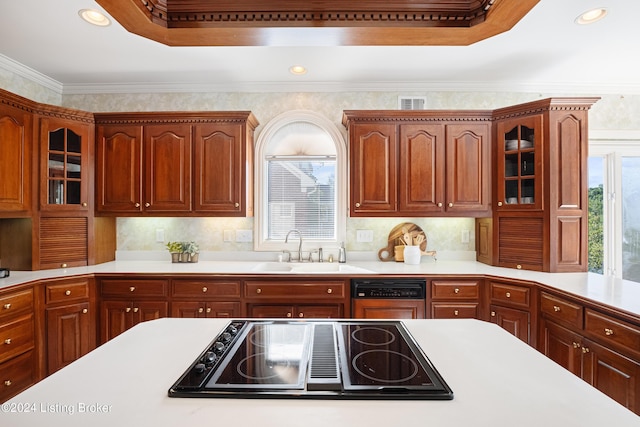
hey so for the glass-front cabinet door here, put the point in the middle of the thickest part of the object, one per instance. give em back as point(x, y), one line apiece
point(64, 168)
point(520, 163)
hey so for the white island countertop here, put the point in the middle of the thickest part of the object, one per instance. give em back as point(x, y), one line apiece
point(497, 381)
point(616, 293)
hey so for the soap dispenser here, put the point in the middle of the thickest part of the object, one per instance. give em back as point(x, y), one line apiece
point(342, 253)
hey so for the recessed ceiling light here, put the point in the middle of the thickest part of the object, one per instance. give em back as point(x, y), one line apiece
point(591, 16)
point(298, 70)
point(94, 17)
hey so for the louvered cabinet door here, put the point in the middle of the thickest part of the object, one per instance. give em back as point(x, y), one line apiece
point(63, 242)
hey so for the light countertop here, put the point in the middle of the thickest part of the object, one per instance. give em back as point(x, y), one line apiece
point(616, 293)
point(497, 380)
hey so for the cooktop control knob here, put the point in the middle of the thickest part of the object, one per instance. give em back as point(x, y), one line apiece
point(218, 347)
point(199, 368)
point(226, 337)
point(209, 357)
point(232, 330)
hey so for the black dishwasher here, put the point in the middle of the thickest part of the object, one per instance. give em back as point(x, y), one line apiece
point(388, 298)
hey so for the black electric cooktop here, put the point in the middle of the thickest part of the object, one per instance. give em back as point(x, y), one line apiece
point(313, 359)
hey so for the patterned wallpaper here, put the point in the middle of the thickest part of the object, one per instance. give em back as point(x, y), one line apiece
point(615, 112)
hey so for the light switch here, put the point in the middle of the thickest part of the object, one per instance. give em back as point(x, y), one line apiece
point(160, 235)
point(464, 238)
point(364, 236)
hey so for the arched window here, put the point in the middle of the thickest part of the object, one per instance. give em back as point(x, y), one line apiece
point(300, 182)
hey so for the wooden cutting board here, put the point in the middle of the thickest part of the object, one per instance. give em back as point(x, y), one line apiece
point(395, 239)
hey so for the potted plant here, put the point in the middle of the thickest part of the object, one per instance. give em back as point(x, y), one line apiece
point(175, 249)
point(193, 250)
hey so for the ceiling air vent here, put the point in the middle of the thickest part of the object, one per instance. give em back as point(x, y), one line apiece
point(412, 102)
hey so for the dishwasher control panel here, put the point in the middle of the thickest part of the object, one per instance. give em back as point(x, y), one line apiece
point(388, 289)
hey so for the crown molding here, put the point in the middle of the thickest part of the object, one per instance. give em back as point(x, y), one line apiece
point(30, 74)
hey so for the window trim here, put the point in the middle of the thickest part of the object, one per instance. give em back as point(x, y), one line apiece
point(260, 209)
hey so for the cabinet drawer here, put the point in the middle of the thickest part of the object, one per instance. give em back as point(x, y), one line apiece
point(510, 294)
point(297, 290)
point(134, 288)
point(561, 309)
point(441, 310)
point(16, 375)
point(455, 289)
point(69, 291)
point(16, 337)
point(612, 330)
point(16, 302)
point(205, 288)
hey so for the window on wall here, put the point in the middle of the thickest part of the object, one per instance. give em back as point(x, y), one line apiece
point(614, 208)
point(300, 182)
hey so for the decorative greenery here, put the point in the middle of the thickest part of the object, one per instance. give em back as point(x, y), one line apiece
point(596, 236)
point(175, 247)
point(191, 248)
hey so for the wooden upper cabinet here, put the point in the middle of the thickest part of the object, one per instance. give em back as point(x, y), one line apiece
point(65, 157)
point(223, 175)
point(118, 164)
point(373, 180)
point(175, 163)
point(167, 168)
point(15, 161)
point(419, 163)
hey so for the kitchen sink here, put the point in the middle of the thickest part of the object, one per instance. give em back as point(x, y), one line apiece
point(309, 268)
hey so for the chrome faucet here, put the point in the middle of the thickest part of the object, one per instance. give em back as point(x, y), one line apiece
point(286, 240)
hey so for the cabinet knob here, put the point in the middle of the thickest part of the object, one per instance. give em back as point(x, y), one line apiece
point(608, 331)
point(132, 288)
point(288, 314)
point(7, 341)
point(357, 205)
point(7, 383)
point(7, 306)
point(493, 314)
point(84, 204)
point(499, 203)
point(237, 205)
point(329, 291)
point(67, 292)
point(556, 308)
point(519, 267)
point(63, 265)
point(576, 345)
point(455, 312)
point(204, 289)
point(85, 311)
point(137, 205)
point(200, 310)
point(440, 204)
point(208, 309)
point(508, 294)
point(146, 205)
point(450, 204)
point(128, 309)
point(258, 291)
point(301, 315)
point(135, 309)
point(456, 291)
point(585, 350)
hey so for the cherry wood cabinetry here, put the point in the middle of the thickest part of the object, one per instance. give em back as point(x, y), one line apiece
point(16, 146)
point(601, 349)
point(70, 321)
point(297, 298)
point(452, 299)
point(17, 341)
point(419, 163)
point(511, 306)
point(540, 187)
point(127, 302)
point(175, 163)
point(388, 309)
point(205, 298)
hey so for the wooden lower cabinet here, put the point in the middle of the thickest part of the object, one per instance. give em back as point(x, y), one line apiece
point(387, 309)
point(306, 311)
point(17, 374)
point(607, 370)
point(202, 297)
point(70, 334)
point(194, 309)
point(456, 299)
point(515, 321)
point(118, 316)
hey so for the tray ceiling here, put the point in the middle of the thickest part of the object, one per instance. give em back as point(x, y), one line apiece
point(363, 22)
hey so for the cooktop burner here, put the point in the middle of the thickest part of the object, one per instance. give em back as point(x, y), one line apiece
point(313, 359)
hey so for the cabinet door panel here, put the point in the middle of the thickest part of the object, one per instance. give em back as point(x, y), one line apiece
point(562, 346)
point(187, 309)
point(15, 162)
point(384, 309)
point(373, 169)
point(422, 162)
point(167, 168)
point(115, 318)
point(320, 311)
point(118, 168)
point(149, 310)
point(219, 171)
point(468, 168)
point(516, 322)
point(223, 309)
point(270, 311)
point(69, 335)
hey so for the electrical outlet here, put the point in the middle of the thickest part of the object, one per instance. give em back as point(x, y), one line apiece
point(228, 236)
point(464, 237)
point(244, 236)
point(364, 236)
point(160, 235)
